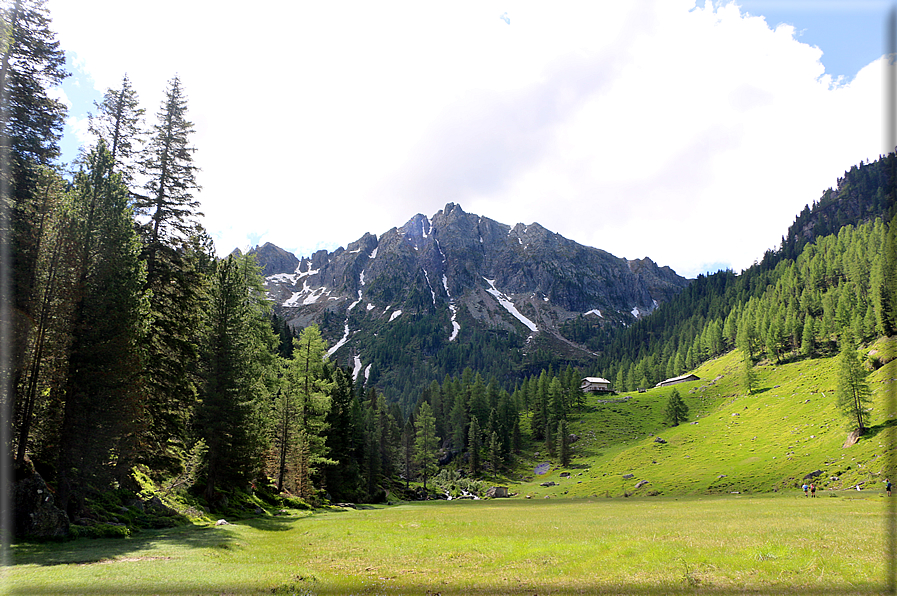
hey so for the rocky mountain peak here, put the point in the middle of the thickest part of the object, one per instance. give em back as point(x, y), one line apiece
point(453, 278)
point(274, 259)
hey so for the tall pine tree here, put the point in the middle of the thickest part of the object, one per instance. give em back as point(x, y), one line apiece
point(102, 390)
point(176, 251)
point(31, 124)
point(238, 374)
point(119, 124)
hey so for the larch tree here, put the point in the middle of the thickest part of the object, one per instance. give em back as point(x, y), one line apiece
point(308, 387)
point(852, 395)
point(748, 376)
point(425, 442)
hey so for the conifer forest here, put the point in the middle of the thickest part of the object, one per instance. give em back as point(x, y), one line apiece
point(135, 354)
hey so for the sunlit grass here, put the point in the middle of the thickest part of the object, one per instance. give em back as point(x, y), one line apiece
point(723, 544)
point(732, 443)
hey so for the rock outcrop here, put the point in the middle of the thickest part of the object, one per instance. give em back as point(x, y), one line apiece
point(35, 512)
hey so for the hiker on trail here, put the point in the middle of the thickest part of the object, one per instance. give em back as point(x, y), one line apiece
point(806, 488)
point(888, 486)
point(812, 489)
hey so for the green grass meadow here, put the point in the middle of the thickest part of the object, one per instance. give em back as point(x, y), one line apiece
point(733, 442)
point(714, 509)
point(732, 544)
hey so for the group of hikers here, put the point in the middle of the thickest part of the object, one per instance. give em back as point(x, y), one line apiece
point(810, 490)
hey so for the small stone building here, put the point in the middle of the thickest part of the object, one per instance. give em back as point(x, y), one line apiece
point(590, 384)
point(676, 380)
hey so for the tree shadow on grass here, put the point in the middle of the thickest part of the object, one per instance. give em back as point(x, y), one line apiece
point(579, 466)
point(874, 430)
point(94, 550)
point(272, 524)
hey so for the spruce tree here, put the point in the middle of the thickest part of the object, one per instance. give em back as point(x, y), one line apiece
point(344, 439)
point(372, 434)
point(119, 124)
point(475, 442)
point(676, 410)
point(238, 375)
point(459, 422)
point(887, 293)
point(31, 123)
point(408, 436)
point(563, 444)
point(286, 430)
point(177, 253)
point(44, 359)
point(171, 179)
point(495, 454)
point(102, 391)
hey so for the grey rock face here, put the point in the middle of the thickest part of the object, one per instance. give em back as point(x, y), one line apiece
point(274, 259)
point(462, 272)
point(36, 514)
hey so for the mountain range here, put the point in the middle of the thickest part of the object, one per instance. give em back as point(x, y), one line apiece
point(459, 290)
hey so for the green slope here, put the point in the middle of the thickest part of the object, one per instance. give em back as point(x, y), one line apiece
point(733, 442)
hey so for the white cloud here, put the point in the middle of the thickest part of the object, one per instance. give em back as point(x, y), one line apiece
point(79, 127)
point(690, 135)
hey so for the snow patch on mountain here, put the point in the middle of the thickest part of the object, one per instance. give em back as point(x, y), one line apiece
point(306, 295)
point(509, 305)
point(292, 278)
point(340, 343)
point(395, 315)
point(357, 368)
point(429, 285)
point(456, 327)
point(594, 311)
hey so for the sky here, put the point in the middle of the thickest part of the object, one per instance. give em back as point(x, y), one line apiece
point(689, 132)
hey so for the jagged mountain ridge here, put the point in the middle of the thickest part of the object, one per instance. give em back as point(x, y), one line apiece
point(455, 275)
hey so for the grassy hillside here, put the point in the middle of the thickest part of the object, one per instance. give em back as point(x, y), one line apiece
point(733, 442)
